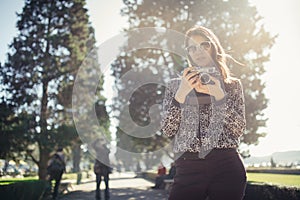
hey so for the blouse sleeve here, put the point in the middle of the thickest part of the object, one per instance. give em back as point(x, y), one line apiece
point(171, 113)
point(234, 120)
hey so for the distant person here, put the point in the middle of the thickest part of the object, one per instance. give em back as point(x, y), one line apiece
point(101, 168)
point(138, 167)
point(159, 180)
point(6, 164)
point(56, 168)
point(161, 170)
point(119, 168)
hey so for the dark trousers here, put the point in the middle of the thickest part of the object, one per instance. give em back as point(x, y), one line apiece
point(98, 182)
point(159, 181)
point(220, 175)
point(57, 177)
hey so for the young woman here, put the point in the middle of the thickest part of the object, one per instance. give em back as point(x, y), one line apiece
point(204, 109)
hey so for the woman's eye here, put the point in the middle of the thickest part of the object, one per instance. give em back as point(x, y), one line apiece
point(192, 48)
point(205, 45)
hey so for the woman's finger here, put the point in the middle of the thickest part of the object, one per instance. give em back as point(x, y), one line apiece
point(187, 71)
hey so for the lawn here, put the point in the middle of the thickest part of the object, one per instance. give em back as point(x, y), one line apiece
point(6, 181)
point(66, 176)
point(275, 179)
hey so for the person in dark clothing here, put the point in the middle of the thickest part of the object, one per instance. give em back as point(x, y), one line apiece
point(101, 169)
point(56, 168)
point(159, 180)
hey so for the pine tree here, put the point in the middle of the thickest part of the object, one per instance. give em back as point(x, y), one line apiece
point(54, 38)
point(272, 162)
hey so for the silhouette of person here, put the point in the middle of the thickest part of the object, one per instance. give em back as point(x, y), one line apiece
point(101, 168)
point(56, 168)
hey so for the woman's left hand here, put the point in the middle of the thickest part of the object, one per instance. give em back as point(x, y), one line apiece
point(211, 89)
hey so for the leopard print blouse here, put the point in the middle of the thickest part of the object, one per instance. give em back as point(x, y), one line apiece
point(203, 126)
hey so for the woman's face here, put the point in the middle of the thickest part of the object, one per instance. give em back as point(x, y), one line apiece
point(200, 51)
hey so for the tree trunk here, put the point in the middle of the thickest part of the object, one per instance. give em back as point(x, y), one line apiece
point(76, 157)
point(44, 152)
point(44, 158)
point(147, 162)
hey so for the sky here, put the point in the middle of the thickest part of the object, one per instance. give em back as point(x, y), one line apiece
point(282, 71)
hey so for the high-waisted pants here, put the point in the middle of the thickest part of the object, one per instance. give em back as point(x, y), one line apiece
point(219, 176)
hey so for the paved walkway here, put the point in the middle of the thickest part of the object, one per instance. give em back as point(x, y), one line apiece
point(123, 186)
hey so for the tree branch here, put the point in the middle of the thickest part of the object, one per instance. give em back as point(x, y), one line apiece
point(33, 158)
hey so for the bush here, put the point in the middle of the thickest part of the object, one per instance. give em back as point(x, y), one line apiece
point(24, 190)
point(257, 191)
point(269, 192)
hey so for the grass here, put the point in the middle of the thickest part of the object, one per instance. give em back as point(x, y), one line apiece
point(275, 179)
point(66, 176)
point(6, 181)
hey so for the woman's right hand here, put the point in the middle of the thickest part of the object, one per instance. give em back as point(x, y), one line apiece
point(190, 75)
point(188, 82)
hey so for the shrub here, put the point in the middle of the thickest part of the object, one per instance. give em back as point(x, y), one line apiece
point(24, 190)
point(270, 192)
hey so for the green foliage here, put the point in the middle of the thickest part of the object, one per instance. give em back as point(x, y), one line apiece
point(269, 192)
point(15, 131)
point(235, 22)
point(273, 163)
point(53, 39)
point(24, 190)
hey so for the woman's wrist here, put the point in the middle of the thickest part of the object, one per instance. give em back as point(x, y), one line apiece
point(219, 96)
point(180, 97)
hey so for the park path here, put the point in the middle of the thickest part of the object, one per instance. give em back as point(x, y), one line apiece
point(124, 186)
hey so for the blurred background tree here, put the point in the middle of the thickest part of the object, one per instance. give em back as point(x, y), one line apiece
point(15, 131)
point(241, 33)
point(53, 39)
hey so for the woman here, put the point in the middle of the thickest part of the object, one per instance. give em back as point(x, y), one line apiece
point(205, 111)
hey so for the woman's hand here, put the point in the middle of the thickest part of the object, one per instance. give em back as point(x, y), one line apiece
point(188, 82)
point(211, 89)
point(190, 75)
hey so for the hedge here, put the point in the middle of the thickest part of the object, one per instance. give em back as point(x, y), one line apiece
point(255, 191)
point(24, 190)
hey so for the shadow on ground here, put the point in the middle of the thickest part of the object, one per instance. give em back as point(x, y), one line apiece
point(119, 194)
